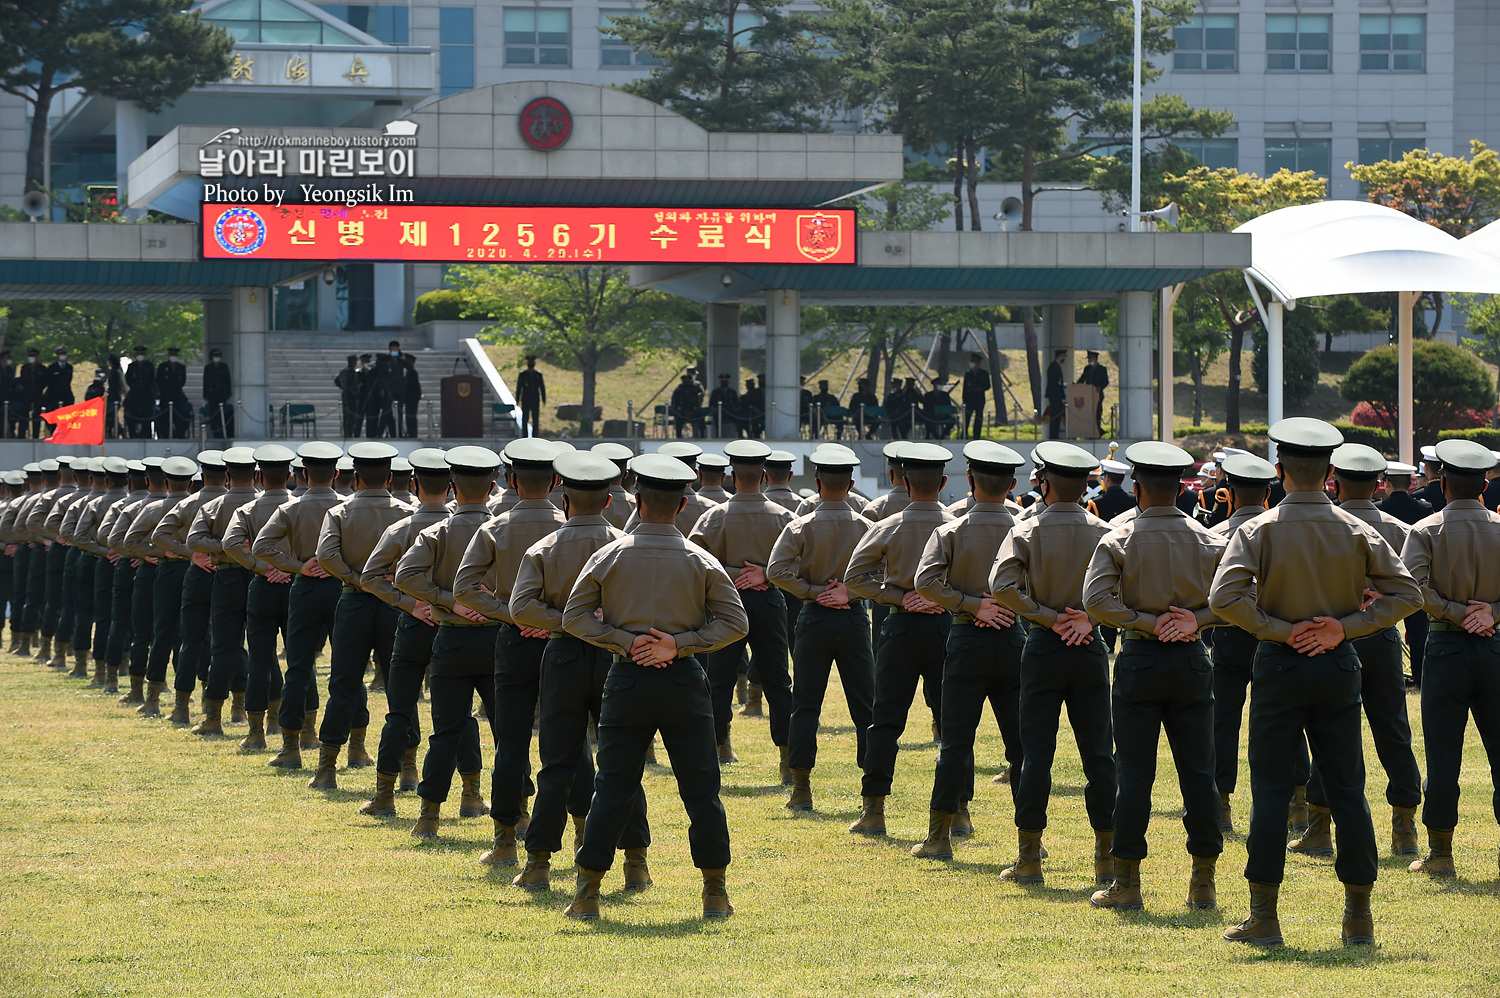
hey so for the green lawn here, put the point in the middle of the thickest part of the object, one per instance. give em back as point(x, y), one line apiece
point(137, 860)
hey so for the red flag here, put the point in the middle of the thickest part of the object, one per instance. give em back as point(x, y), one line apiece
point(79, 423)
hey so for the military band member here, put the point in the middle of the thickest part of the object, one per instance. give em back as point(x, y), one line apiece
point(1249, 481)
point(983, 655)
point(1149, 578)
point(122, 596)
point(911, 643)
point(572, 675)
point(740, 534)
point(289, 542)
point(482, 588)
point(1296, 579)
point(228, 666)
point(656, 682)
point(808, 562)
point(463, 649)
point(177, 475)
point(266, 593)
point(1455, 557)
point(1382, 684)
point(620, 505)
point(1038, 575)
point(181, 623)
point(362, 623)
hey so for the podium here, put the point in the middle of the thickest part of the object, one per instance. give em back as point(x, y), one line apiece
point(462, 406)
point(1083, 412)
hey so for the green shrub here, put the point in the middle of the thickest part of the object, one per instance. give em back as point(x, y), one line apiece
point(436, 305)
point(1484, 436)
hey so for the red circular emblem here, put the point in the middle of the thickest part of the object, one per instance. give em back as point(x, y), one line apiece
point(546, 123)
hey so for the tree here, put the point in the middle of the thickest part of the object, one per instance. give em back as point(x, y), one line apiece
point(731, 65)
point(577, 314)
point(1451, 193)
point(1446, 381)
point(1482, 328)
point(146, 51)
point(94, 330)
point(1198, 334)
point(1218, 201)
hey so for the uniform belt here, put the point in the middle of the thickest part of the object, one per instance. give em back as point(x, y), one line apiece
point(963, 618)
point(1138, 636)
point(897, 609)
point(346, 589)
point(1443, 625)
point(624, 660)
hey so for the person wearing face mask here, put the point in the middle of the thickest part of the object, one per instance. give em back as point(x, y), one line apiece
point(59, 386)
point(218, 389)
point(31, 393)
point(140, 402)
point(389, 377)
point(99, 386)
point(176, 415)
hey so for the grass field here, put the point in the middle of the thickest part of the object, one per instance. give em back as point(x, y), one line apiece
point(136, 859)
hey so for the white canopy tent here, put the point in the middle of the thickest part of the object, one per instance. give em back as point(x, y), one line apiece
point(1353, 247)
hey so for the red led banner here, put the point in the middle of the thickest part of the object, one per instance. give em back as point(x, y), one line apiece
point(452, 234)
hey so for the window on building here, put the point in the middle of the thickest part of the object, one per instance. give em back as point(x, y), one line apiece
point(275, 22)
point(613, 51)
point(1216, 154)
point(1207, 42)
point(456, 49)
point(1299, 155)
point(1298, 42)
point(1392, 44)
point(538, 36)
point(354, 291)
point(391, 25)
point(1380, 150)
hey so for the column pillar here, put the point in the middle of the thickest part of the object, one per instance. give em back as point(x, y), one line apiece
point(251, 341)
point(130, 143)
point(723, 347)
point(783, 364)
point(1135, 366)
point(1406, 301)
point(1058, 330)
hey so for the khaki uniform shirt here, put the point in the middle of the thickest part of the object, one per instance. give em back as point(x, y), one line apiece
point(1386, 525)
point(815, 548)
point(69, 523)
point(86, 532)
point(123, 516)
point(714, 493)
point(890, 504)
point(246, 525)
point(206, 535)
point(20, 529)
point(1039, 570)
point(52, 526)
point(379, 575)
point(290, 536)
point(1307, 558)
point(1141, 569)
point(741, 531)
point(170, 534)
point(857, 503)
point(138, 542)
point(1454, 555)
point(655, 578)
point(1225, 529)
point(353, 528)
point(427, 570)
point(954, 571)
point(621, 505)
point(782, 495)
point(36, 515)
point(494, 556)
point(883, 566)
point(694, 507)
point(503, 501)
point(551, 566)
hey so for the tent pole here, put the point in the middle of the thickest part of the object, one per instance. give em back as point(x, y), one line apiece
point(1275, 386)
point(1407, 300)
point(1166, 419)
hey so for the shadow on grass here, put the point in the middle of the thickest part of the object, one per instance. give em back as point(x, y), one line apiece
point(1333, 955)
point(765, 790)
point(606, 925)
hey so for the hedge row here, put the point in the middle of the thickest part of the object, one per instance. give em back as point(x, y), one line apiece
point(1484, 436)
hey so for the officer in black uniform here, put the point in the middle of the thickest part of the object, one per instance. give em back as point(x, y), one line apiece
point(347, 382)
point(753, 409)
point(140, 396)
point(859, 402)
point(531, 393)
point(1114, 500)
point(1056, 395)
point(976, 387)
point(59, 381)
point(1432, 492)
point(31, 393)
point(411, 395)
point(687, 407)
point(218, 392)
point(7, 390)
point(176, 414)
point(724, 407)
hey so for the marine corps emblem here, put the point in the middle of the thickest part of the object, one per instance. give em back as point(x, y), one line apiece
point(463, 389)
point(240, 231)
point(819, 236)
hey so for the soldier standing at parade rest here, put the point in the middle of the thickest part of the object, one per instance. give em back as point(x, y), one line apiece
point(1056, 395)
point(112, 531)
point(572, 676)
point(740, 534)
point(687, 407)
point(656, 682)
point(176, 415)
point(531, 392)
point(59, 381)
point(143, 580)
point(712, 469)
point(181, 623)
point(1455, 558)
point(976, 387)
point(218, 390)
point(1096, 374)
point(1038, 575)
point(914, 635)
point(482, 589)
point(460, 666)
point(694, 505)
point(411, 652)
point(86, 536)
point(31, 391)
point(1382, 686)
point(266, 595)
point(1249, 480)
point(1400, 503)
point(59, 481)
point(1149, 578)
point(363, 624)
point(983, 655)
point(140, 396)
point(148, 612)
point(228, 666)
point(79, 569)
point(289, 542)
point(617, 512)
point(1296, 578)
